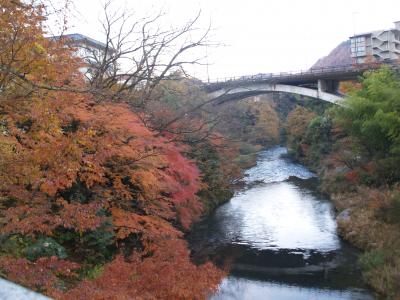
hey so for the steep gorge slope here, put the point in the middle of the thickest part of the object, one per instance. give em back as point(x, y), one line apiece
point(339, 56)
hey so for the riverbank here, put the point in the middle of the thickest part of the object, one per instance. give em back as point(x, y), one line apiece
point(361, 222)
point(278, 234)
point(366, 218)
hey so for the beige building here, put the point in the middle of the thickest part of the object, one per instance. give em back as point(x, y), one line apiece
point(90, 50)
point(380, 45)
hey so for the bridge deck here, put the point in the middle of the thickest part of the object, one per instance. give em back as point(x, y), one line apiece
point(311, 76)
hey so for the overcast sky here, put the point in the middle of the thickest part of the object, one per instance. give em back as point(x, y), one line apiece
point(260, 36)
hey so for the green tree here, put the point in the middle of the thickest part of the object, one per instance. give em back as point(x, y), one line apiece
point(371, 114)
point(371, 118)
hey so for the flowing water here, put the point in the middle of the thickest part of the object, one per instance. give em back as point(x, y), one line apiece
point(278, 235)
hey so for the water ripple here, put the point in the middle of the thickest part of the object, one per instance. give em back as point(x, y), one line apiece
point(272, 167)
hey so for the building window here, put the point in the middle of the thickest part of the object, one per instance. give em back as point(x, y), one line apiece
point(358, 46)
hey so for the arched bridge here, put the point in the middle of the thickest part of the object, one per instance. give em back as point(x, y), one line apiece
point(321, 83)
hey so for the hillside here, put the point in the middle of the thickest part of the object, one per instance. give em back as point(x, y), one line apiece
point(337, 57)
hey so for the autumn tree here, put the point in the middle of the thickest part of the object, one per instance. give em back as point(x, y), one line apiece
point(28, 60)
point(140, 52)
point(85, 187)
point(184, 113)
point(253, 120)
point(296, 128)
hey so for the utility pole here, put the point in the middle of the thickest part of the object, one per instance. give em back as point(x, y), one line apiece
point(354, 21)
point(208, 75)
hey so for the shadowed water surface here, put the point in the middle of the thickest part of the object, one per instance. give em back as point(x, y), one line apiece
point(279, 238)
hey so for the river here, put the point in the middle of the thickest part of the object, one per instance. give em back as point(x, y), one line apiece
point(278, 237)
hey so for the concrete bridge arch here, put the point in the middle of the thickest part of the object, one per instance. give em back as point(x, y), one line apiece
point(240, 92)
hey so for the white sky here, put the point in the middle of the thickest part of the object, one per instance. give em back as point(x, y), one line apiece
point(260, 36)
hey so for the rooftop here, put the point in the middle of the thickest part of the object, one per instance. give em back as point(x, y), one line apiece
point(371, 32)
point(77, 37)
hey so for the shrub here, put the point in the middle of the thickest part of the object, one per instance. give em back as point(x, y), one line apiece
point(91, 272)
point(14, 245)
point(45, 247)
point(372, 260)
point(246, 149)
point(93, 247)
point(393, 210)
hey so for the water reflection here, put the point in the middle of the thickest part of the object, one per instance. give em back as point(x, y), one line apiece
point(272, 167)
point(245, 289)
point(278, 215)
point(279, 238)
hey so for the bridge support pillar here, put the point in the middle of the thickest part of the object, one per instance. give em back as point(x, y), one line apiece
point(328, 86)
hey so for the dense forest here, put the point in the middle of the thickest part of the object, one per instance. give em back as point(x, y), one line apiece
point(97, 192)
point(100, 181)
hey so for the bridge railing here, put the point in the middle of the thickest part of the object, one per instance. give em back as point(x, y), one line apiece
point(353, 68)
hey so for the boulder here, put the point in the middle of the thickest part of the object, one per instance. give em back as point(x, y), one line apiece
point(344, 216)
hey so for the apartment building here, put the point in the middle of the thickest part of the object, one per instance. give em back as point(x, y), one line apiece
point(380, 45)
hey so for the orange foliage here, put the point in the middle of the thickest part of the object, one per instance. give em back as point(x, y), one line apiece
point(296, 126)
point(26, 55)
point(81, 217)
point(42, 273)
point(152, 228)
point(298, 120)
point(141, 179)
point(29, 220)
point(69, 163)
point(140, 166)
point(352, 176)
point(346, 87)
point(167, 274)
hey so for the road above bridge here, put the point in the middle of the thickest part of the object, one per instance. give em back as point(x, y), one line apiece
point(320, 83)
